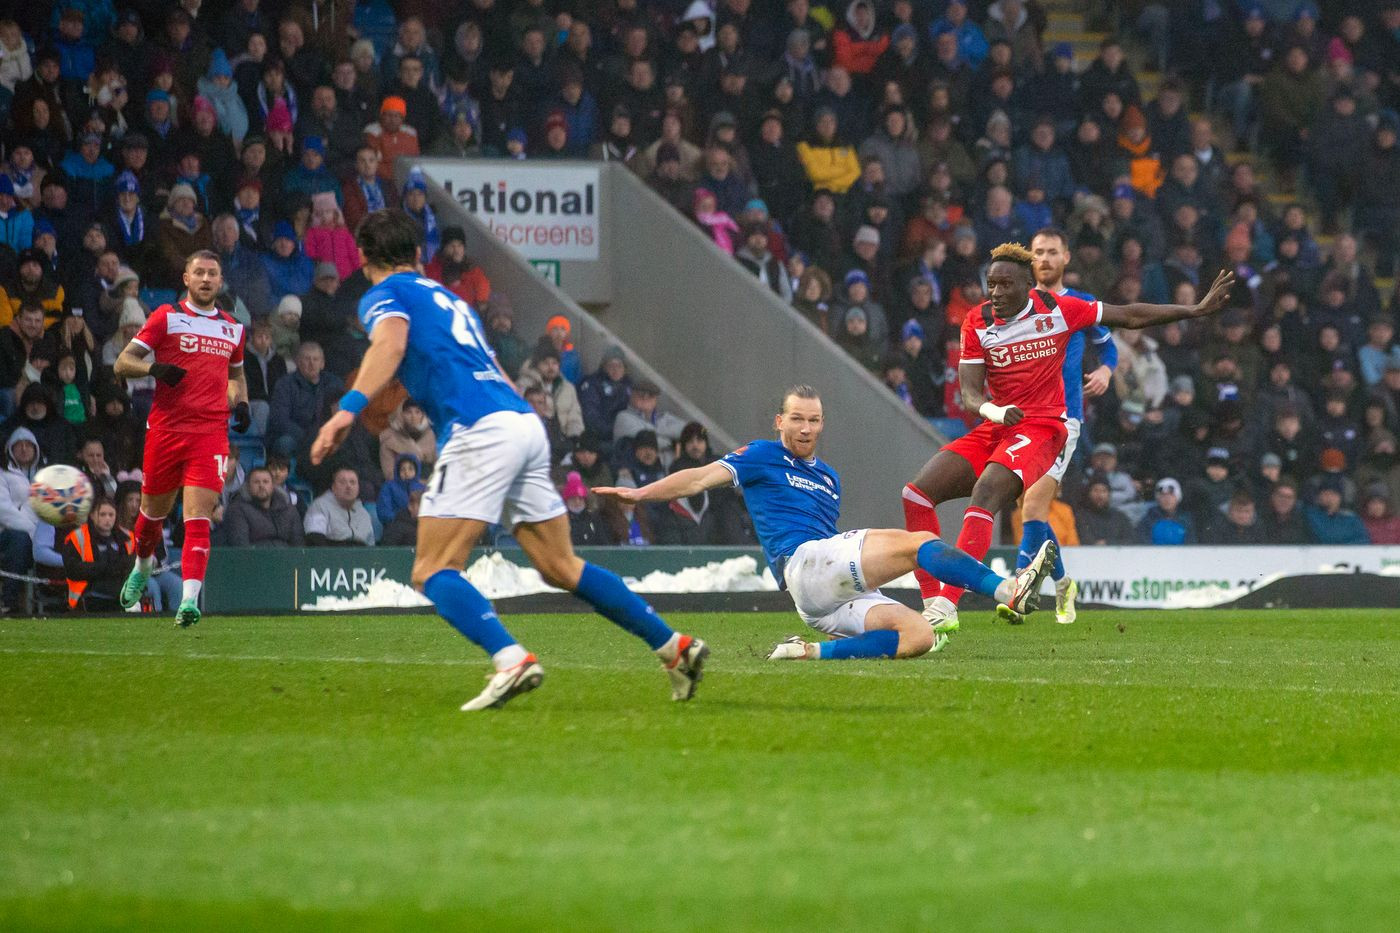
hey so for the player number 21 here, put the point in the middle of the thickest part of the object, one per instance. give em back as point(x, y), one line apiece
point(464, 327)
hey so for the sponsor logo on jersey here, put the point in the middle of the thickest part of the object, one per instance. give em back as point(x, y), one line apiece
point(1000, 356)
point(807, 485)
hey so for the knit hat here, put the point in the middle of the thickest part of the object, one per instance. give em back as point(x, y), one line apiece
point(912, 328)
point(279, 118)
point(155, 94)
point(44, 227)
point(218, 65)
point(453, 234)
point(327, 270)
point(854, 276)
point(125, 274)
point(133, 315)
point(127, 183)
point(284, 230)
point(560, 321)
point(183, 190)
point(867, 234)
point(1167, 484)
point(555, 119)
point(700, 195)
point(393, 104)
point(314, 144)
point(289, 303)
point(904, 31)
point(574, 487)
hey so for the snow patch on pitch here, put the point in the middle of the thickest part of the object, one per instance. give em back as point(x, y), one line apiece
point(498, 578)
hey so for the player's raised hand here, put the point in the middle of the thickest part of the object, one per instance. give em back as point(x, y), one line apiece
point(331, 436)
point(1218, 295)
point(627, 494)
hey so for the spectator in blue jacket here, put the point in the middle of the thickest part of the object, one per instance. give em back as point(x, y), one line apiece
point(1166, 522)
point(77, 55)
point(1041, 163)
point(288, 268)
point(605, 394)
point(972, 44)
point(399, 488)
point(16, 223)
point(299, 398)
point(1329, 522)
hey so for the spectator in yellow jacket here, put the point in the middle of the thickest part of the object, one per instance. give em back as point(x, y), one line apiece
point(828, 162)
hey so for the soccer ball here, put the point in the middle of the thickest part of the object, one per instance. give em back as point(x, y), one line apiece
point(61, 495)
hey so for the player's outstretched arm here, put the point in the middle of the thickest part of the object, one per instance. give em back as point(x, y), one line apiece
point(1138, 316)
point(388, 343)
point(676, 486)
point(132, 364)
point(972, 385)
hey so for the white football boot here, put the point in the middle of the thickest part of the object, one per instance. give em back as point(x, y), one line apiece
point(503, 685)
point(688, 667)
point(942, 614)
point(1020, 595)
point(794, 648)
point(1066, 591)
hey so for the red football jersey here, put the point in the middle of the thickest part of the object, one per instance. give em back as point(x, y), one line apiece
point(203, 343)
point(1024, 356)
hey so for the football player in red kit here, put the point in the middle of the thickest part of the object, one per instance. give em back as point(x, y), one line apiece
point(1009, 371)
point(195, 352)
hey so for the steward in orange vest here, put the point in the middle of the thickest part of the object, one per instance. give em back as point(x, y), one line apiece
point(97, 556)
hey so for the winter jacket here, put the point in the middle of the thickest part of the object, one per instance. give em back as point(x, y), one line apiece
point(290, 276)
point(333, 244)
point(395, 493)
point(831, 166)
point(397, 441)
point(855, 51)
point(1157, 527)
point(1340, 527)
point(15, 513)
point(328, 524)
point(602, 401)
point(296, 404)
point(17, 229)
point(174, 242)
point(248, 524)
point(96, 572)
point(1108, 526)
point(900, 158)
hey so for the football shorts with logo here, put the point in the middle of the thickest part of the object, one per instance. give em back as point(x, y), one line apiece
point(183, 458)
point(1028, 448)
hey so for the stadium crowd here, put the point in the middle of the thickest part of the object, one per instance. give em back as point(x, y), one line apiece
point(859, 158)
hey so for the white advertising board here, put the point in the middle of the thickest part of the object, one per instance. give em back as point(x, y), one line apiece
point(1180, 577)
point(542, 211)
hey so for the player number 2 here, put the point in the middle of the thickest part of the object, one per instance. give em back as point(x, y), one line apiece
point(221, 463)
point(464, 326)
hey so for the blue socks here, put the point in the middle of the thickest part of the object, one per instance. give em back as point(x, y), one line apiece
point(1033, 535)
point(881, 644)
point(605, 592)
point(470, 613)
point(958, 568)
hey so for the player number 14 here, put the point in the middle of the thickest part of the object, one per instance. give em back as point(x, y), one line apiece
point(465, 329)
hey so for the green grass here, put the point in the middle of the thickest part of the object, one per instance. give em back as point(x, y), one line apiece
point(1189, 771)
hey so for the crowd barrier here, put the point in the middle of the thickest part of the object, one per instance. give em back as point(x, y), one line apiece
point(257, 580)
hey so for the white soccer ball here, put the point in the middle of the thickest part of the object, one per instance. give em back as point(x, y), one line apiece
point(61, 495)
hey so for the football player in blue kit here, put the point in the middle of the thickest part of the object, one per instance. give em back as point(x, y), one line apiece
point(834, 577)
point(1050, 255)
point(492, 465)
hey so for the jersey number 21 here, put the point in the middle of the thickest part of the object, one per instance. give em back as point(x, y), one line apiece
point(465, 330)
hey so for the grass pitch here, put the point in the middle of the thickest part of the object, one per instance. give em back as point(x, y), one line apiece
point(1189, 771)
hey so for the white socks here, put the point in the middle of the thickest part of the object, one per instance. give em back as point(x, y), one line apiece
point(145, 564)
point(191, 590)
point(509, 657)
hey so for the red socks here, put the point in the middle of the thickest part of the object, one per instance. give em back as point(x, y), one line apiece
point(194, 556)
point(920, 515)
point(975, 538)
point(148, 534)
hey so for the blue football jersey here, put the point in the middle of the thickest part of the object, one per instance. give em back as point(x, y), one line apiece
point(449, 368)
point(791, 500)
point(1073, 370)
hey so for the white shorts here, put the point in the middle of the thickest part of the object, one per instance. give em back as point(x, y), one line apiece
point(828, 585)
point(497, 470)
point(1057, 471)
